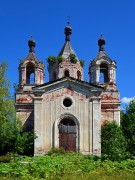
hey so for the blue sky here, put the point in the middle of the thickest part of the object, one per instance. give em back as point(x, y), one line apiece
point(45, 20)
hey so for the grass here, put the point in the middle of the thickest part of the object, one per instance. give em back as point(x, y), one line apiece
point(66, 167)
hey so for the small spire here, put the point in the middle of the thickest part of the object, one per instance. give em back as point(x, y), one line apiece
point(68, 31)
point(101, 43)
point(31, 44)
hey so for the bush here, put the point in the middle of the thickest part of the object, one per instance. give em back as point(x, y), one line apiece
point(128, 126)
point(12, 136)
point(82, 63)
point(5, 159)
point(51, 60)
point(24, 143)
point(113, 143)
point(59, 59)
point(73, 58)
point(56, 151)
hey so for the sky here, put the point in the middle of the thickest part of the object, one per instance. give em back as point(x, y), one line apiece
point(45, 21)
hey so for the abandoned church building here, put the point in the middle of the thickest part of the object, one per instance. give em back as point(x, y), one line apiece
point(67, 111)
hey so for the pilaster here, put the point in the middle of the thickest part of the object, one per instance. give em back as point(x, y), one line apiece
point(96, 124)
point(38, 125)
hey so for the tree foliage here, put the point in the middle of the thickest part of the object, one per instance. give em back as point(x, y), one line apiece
point(113, 142)
point(12, 136)
point(128, 126)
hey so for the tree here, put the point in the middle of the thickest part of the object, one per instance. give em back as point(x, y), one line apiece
point(128, 126)
point(112, 142)
point(6, 111)
point(6, 104)
point(12, 136)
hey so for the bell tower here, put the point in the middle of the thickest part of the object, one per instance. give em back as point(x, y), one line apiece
point(69, 66)
point(102, 72)
point(102, 69)
point(31, 73)
point(31, 70)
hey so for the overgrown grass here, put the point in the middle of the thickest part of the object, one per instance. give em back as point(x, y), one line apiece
point(66, 166)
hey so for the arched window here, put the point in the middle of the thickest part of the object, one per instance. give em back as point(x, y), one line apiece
point(30, 73)
point(54, 76)
point(78, 75)
point(66, 73)
point(104, 78)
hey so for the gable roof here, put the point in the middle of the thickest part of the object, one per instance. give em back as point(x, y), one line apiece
point(69, 79)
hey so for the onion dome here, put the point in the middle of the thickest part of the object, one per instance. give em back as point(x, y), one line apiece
point(68, 32)
point(101, 43)
point(31, 44)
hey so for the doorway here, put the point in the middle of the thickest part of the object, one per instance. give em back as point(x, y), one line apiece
point(67, 135)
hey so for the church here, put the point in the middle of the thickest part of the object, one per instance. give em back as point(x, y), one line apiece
point(67, 112)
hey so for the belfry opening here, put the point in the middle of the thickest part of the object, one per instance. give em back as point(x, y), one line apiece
point(30, 73)
point(104, 73)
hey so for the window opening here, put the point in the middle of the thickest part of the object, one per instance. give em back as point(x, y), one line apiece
point(67, 102)
point(30, 74)
point(54, 76)
point(78, 75)
point(66, 74)
point(104, 73)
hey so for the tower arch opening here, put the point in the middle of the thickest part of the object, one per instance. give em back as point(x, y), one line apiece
point(104, 78)
point(54, 76)
point(66, 73)
point(78, 75)
point(30, 73)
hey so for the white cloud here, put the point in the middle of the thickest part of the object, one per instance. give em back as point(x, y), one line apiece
point(126, 100)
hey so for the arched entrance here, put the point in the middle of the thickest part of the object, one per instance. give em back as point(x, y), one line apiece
point(68, 134)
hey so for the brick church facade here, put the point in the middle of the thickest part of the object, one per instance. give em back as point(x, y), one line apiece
point(67, 111)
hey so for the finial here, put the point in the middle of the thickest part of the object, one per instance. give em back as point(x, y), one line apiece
point(101, 43)
point(68, 30)
point(31, 44)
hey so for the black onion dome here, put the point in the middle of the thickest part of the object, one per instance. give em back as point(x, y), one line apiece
point(68, 32)
point(31, 44)
point(101, 43)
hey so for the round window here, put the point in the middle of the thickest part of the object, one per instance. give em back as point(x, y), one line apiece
point(67, 102)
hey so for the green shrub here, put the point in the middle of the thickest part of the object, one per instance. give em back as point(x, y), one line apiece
point(82, 63)
point(113, 143)
point(51, 60)
point(5, 159)
point(59, 59)
point(12, 136)
point(73, 58)
point(56, 151)
point(24, 143)
point(128, 126)
point(92, 157)
point(66, 166)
